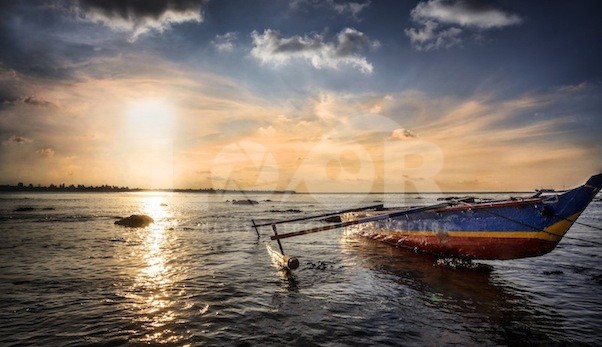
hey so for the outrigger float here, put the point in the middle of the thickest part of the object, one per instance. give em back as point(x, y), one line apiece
point(465, 229)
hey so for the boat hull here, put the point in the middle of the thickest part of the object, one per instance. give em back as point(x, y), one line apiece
point(508, 229)
point(481, 247)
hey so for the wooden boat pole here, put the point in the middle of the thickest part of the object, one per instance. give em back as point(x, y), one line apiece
point(255, 227)
point(360, 221)
point(319, 216)
point(278, 240)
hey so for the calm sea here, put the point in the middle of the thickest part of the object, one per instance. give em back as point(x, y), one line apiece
point(200, 276)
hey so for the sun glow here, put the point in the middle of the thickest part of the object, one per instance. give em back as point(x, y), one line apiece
point(150, 124)
point(153, 117)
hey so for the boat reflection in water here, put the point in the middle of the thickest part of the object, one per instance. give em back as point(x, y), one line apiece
point(474, 300)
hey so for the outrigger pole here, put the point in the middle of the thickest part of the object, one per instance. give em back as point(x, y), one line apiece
point(289, 262)
point(373, 207)
point(361, 220)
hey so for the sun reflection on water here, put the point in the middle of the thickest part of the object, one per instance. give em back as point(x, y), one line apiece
point(154, 287)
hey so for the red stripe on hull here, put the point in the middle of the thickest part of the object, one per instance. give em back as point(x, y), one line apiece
point(468, 247)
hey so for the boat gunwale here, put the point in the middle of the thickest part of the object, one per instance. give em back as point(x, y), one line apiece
point(460, 206)
point(491, 204)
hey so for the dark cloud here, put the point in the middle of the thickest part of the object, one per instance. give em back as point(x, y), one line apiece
point(28, 100)
point(130, 9)
point(35, 101)
point(141, 16)
point(35, 40)
point(19, 140)
point(7, 96)
point(352, 41)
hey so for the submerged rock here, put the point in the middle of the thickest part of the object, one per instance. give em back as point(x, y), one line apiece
point(245, 202)
point(135, 221)
point(24, 209)
point(333, 219)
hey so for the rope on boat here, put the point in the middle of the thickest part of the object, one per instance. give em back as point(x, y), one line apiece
point(580, 223)
point(584, 240)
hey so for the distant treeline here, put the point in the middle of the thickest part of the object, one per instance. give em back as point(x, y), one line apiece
point(65, 188)
point(20, 187)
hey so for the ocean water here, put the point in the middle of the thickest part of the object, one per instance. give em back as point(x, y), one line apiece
point(200, 276)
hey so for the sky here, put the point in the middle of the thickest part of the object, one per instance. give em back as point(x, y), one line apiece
point(317, 96)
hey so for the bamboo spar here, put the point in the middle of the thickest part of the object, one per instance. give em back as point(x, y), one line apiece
point(360, 221)
point(319, 216)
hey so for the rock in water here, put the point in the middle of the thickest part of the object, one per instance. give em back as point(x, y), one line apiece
point(24, 209)
point(245, 202)
point(135, 221)
point(333, 219)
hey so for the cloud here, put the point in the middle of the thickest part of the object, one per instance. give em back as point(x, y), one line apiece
point(19, 140)
point(352, 8)
point(403, 134)
point(464, 13)
point(28, 100)
point(139, 17)
point(428, 37)
point(577, 88)
point(45, 152)
point(270, 47)
point(440, 19)
point(225, 42)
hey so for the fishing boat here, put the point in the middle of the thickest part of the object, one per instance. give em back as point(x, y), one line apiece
point(503, 229)
point(467, 228)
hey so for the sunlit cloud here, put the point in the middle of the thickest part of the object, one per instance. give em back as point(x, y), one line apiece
point(464, 13)
point(45, 152)
point(442, 22)
point(403, 134)
point(271, 48)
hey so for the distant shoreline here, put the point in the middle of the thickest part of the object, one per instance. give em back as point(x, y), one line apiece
point(110, 189)
point(21, 188)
